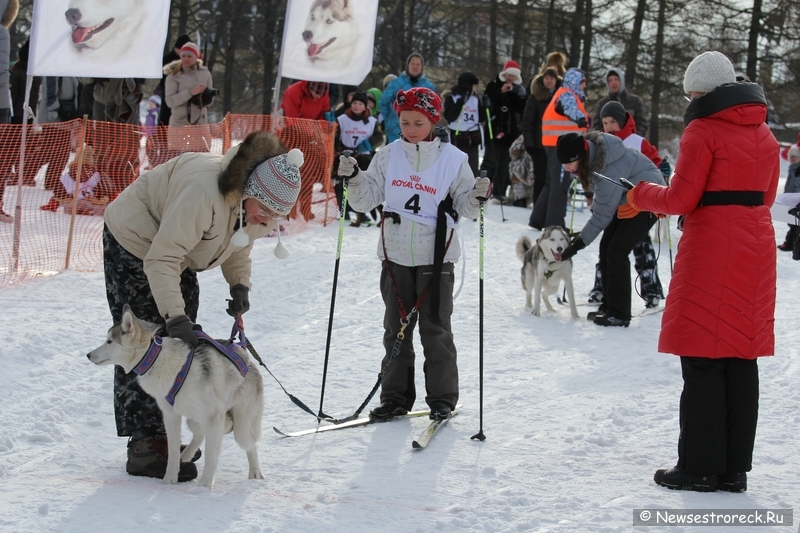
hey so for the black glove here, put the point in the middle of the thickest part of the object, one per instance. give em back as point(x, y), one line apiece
point(182, 328)
point(576, 246)
point(239, 302)
point(582, 122)
point(665, 169)
point(795, 211)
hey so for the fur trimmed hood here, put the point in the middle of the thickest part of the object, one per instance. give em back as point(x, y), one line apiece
point(539, 91)
point(597, 150)
point(10, 9)
point(174, 67)
point(256, 148)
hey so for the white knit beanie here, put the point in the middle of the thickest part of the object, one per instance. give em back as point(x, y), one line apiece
point(708, 71)
point(276, 182)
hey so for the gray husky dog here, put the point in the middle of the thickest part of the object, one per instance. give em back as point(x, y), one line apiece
point(214, 397)
point(543, 270)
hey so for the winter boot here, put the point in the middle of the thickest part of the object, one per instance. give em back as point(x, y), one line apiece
point(387, 410)
point(440, 411)
point(358, 221)
point(148, 457)
point(595, 297)
point(676, 479)
point(785, 247)
point(608, 320)
point(733, 482)
point(651, 302)
point(52, 205)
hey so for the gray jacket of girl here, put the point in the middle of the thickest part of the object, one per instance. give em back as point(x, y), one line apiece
point(610, 157)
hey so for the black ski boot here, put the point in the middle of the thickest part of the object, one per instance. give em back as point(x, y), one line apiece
point(676, 479)
point(387, 410)
point(440, 411)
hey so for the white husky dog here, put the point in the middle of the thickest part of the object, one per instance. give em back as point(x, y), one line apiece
point(107, 25)
point(543, 270)
point(214, 397)
point(331, 31)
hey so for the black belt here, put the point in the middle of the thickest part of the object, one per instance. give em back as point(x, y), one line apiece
point(746, 198)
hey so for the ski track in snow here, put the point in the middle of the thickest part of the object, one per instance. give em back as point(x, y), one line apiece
point(577, 417)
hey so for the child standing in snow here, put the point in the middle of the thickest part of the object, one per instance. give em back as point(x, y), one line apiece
point(153, 111)
point(619, 123)
point(792, 185)
point(428, 186)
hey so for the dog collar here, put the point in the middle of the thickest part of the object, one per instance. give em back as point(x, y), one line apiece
point(548, 274)
point(149, 357)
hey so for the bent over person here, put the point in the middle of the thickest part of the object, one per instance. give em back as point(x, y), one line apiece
point(720, 312)
point(428, 186)
point(172, 222)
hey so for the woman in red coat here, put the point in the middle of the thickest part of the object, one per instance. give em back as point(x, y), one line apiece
point(720, 309)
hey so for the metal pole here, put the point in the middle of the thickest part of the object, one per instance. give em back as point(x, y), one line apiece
point(479, 435)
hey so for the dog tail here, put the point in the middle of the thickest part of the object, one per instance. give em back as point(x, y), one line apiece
point(522, 247)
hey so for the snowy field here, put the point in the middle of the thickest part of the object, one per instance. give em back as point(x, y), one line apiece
point(577, 417)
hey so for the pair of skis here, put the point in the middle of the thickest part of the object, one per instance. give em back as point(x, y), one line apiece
point(419, 444)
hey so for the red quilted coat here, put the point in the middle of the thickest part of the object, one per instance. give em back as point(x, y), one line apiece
point(721, 300)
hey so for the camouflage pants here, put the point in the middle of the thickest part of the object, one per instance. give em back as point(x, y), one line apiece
point(126, 283)
point(644, 256)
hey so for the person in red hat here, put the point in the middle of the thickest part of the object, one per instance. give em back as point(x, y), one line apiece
point(505, 98)
point(427, 186)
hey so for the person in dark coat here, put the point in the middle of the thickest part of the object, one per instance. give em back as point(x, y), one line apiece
point(543, 87)
point(505, 97)
point(720, 311)
point(464, 112)
point(615, 81)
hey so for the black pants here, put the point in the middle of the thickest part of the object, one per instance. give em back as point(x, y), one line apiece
point(440, 368)
point(551, 209)
point(468, 142)
point(718, 415)
point(539, 158)
point(619, 239)
point(644, 256)
point(126, 283)
point(495, 162)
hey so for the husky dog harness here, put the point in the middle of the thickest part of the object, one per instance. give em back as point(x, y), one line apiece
point(228, 351)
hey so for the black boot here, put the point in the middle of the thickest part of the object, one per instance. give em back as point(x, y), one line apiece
point(387, 410)
point(733, 482)
point(148, 457)
point(676, 479)
point(440, 411)
point(608, 320)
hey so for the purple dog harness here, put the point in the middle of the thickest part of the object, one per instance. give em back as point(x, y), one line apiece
point(228, 351)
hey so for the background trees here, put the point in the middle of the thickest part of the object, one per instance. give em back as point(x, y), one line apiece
point(652, 41)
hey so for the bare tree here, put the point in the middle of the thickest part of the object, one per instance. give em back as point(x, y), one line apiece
point(632, 53)
point(655, 99)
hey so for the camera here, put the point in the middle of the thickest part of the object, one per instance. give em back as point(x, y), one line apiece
point(206, 98)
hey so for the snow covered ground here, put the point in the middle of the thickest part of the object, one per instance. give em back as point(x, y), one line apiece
point(577, 417)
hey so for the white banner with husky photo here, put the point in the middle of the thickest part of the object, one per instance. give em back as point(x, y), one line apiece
point(98, 38)
point(328, 40)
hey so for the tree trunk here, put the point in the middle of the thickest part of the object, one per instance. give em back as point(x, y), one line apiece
point(183, 16)
point(632, 54)
point(752, 42)
point(575, 35)
point(494, 61)
point(550, 36)
point(655, 102)
point(234, 30)
point(587, 36)
point(519, 31)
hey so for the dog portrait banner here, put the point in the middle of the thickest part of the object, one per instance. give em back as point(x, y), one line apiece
point(328, 40)
point(98, 38)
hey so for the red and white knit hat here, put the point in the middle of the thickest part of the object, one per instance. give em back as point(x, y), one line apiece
point(192, 49)
point(512, 68)
point(419, 99)
point(276, 182)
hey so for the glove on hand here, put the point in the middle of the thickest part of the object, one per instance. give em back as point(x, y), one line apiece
point(482, 189)
point(582, 123)
point(666, 169)
point(239, 302)
point(182, 328)
point(576, 246)
point(628, 210)
point(795, 211)
point(348, 167)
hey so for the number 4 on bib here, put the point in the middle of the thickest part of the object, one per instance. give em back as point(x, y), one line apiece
point(413, 204)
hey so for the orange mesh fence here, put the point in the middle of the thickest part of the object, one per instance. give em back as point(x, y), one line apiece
point(45, 228)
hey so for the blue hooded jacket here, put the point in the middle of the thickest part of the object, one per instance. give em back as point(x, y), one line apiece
point(401, 83)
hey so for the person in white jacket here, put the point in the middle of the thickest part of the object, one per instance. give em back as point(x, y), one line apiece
point(427, 186)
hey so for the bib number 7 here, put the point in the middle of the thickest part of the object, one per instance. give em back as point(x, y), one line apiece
point(413, 204)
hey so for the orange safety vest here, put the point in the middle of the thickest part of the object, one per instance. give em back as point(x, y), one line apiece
point(555, 124)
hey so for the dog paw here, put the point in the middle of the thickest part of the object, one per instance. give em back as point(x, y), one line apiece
point(536, 312)
point(256, 474)
point(206, 482)
point(170, 479)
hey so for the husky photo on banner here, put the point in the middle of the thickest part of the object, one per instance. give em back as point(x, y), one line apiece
point(328, 40)
point(98, 38)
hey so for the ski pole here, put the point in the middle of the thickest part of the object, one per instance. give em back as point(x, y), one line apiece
point(623, 183)
point(342, 210)
point(479, 435)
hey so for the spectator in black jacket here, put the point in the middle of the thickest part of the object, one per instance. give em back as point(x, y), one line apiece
point(543, 87)
point(505, 98)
